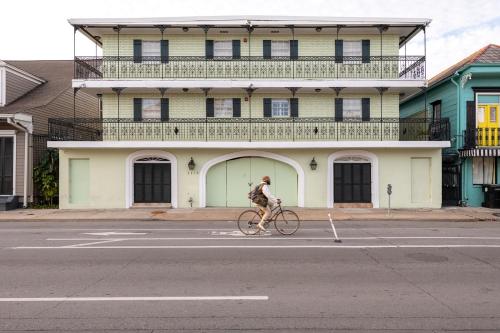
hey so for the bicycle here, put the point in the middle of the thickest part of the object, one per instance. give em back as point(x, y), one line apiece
point(286, 221)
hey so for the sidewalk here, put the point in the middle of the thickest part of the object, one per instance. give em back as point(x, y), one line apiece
point(453, 214)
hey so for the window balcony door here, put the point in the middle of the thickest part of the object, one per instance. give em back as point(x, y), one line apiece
point(488, 124)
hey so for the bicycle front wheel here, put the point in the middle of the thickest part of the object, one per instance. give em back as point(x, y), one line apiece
point(247, 222)
point(287, 222)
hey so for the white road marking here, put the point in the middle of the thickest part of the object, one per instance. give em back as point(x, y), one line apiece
point(94, 243)
point(101, 299)
point(113, 233)
point(270, 238)
point(258, 247)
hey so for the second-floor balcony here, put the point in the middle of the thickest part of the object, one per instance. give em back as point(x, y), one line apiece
point(198, 67)
point(249, 130)
point(482, 137)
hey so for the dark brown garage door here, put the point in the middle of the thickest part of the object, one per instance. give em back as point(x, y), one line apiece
point(352, 182)
point(152, 183)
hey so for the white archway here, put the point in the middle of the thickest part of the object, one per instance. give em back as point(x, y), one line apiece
point(366, 155)
point(251, 153)
point(129, 173)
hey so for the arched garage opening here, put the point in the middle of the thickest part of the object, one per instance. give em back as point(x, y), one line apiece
point(226, 180)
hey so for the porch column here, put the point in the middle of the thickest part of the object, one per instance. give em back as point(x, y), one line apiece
point(205, 30)
point(75, 90)
point(425, 53)
point(206, 90)
point(381, 29)
point(381, 91)
point(250, 91)
point(250, 30)
point(118, 92)
point(118, 28)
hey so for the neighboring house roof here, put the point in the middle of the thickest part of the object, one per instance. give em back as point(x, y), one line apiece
point(57, 75)
point(489, 54)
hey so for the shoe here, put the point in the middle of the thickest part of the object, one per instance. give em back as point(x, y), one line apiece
point(261, 227)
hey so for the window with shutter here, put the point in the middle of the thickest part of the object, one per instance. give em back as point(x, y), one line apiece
point(223, 107)
point(223, 48)
point(353, 50)
point(151, 48)
point(280, 48)
point(352, 108)
point(280, 107)
point(151, 108)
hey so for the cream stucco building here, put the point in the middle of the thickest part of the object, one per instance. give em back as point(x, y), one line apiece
point(195, 110)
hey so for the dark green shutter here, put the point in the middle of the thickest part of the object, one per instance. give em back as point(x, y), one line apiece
point(470, 137)
point(267, 108)
point(236, 107)
point(365, 49)
point(164, 109)
point(137, 109)
point(294, 49)
point(209, 49)
point(137, 50)
point(210, 107)
point(294, 107)
point(266, 46)
point(164, 51)
point(236, 49)
point(339, 109)
point(365, 109)
point(339, 50)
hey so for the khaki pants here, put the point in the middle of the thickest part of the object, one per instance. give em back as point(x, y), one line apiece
point(267, 213)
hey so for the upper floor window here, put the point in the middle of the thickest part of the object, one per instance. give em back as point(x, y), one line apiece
point(352, 108)
point(280, 48)
point(353, 48)
point(151, 108)
point(436, 110)
point(223, 48)
point(280, 107)
point(223, 107)
point(151, 48)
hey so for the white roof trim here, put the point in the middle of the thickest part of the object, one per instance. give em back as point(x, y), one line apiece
point(21, 73)
point(249, 20)
point(248, 145)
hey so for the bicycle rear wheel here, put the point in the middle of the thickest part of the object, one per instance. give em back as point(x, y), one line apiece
point(247, 222)
point(287, 222)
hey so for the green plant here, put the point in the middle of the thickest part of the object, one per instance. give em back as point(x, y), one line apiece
point(46, 176)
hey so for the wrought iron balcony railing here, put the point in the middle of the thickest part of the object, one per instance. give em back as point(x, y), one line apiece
point(193, 67)
point(244, 129)
point(482, 137)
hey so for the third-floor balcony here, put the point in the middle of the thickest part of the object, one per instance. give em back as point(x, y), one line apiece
point(253, 67)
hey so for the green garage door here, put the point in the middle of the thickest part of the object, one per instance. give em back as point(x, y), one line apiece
point(229, 182)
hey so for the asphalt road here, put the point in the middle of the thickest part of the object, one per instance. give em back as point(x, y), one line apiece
point(204, 277)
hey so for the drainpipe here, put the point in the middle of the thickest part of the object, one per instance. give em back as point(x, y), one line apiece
point(25, 176)
point(456, 75)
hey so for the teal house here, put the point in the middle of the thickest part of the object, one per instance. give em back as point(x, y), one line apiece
point(468, 93)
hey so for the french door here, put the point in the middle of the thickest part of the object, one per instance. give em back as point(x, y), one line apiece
point(6, 165)
point(352, 183)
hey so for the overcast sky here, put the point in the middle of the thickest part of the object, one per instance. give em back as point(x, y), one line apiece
point(38, 29)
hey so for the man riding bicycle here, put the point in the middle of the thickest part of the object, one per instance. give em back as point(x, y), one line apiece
point(271, 202)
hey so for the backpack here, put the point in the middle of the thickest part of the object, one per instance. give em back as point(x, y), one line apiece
point(257, 197)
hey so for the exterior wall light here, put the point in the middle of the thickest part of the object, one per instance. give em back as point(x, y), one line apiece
point(318, 29)
point(313, 164)
point(185, 29)
point(191, 164)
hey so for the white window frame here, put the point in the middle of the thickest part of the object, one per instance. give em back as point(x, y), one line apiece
point(13, 134)
point(478, 171)
point(156, 100)
point(223, 48)
point(223, 108)
point(355, 112)
point(280, 48)
point(277, 109)
point(151, 53)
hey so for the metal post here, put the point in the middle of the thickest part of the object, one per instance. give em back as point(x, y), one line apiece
point(162, 30)
point(205, 29)
point(75, 90)
point(425, 53)
point(75, 28)
point(381, 30)
point(406, 73)
point(250, 29)
point(336, 239)
point(336, 60)
point(118, 93)
point(250, 91)
point(426, 106)
point(117, 29)
point(293, 60)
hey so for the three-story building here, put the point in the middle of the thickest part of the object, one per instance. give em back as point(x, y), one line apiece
point(196, 110)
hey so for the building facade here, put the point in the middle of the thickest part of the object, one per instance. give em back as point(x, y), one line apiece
point(196, 110)
point(468, 93)
point(30, 93)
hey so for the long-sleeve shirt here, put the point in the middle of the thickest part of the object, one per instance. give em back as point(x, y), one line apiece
point(267, 192)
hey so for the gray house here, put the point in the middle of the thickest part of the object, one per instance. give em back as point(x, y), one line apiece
point(30, 93)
